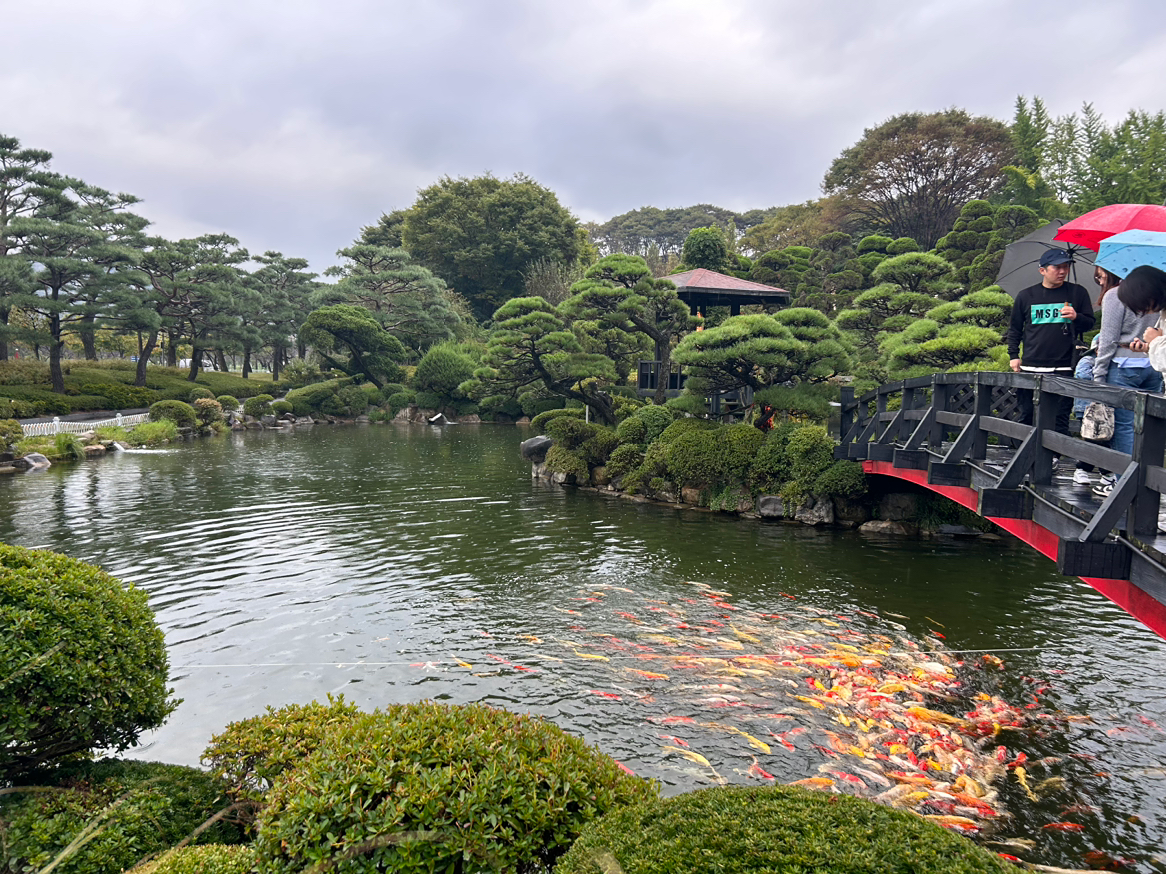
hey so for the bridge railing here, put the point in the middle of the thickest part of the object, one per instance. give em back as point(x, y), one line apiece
point(56, 426)
point(945, 423)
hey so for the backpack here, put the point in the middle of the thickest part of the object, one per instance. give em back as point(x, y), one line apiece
point(1097, 423)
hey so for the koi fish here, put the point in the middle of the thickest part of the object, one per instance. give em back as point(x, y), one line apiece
point(755, 770)
point(611, 695)
point(593, 656)
point(647, 675)
point(814, 783)
point(624, 767)
point(1064, 827)
point(680, 742)
point(925, 714)
point(673, 720)
point(688, 754)
point(790, 733)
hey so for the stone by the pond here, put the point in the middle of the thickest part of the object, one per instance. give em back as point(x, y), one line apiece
point(771, 507)
point(850, 513)
point(816, 511)
point(32, 461)
point(535, 449)
point(600, 476)
point(898, 507)
point(690, 495)
point(958, 531)
point(94, 449)
point(885, 526)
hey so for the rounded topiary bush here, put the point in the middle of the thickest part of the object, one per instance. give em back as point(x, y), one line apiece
point(738, 830)
point(570, 432)
point(655, 420)
point(539, 422)
point(229, 403)
point(258, 406)
point(180, 413)
point(624, 459)
point(208, 410)
point(279, 408)
point(632, 430)
point(250, 754)
point(441, 370)
point(142, 808)
point(692, 459)
point(843, 479)
point(436, 787)
point(204, 859)
point(200, 392)
point(82, 660)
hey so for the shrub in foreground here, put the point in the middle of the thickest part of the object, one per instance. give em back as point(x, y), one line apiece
point(139, 808)
point(208, 411)
point(153, 433)
point(435, 787)
point(180, 413)
point(204, 859)
point(736, 830)
point(229, 403)
point(82, 663)
point(258, 406)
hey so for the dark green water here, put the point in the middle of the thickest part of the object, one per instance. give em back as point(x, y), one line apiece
point(395, 564)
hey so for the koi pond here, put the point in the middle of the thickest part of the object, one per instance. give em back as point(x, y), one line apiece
point(962, 679)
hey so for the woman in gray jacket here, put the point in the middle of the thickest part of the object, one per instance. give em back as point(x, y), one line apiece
point(1119, 364)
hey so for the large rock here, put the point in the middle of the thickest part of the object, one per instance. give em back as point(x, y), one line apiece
point(32, 461)
point(886, 527)
point(535, 449)
point(563, 479)
point(850, 513)
point(690, 495)
point(94, 449)
point(600, 477)
point(471, 419)
point(771, 507)
point(898, 507)
point(815, 511)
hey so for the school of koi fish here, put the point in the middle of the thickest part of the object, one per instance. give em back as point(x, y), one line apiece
point(904, 722)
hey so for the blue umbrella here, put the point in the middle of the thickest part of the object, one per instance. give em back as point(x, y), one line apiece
point(1122, 252)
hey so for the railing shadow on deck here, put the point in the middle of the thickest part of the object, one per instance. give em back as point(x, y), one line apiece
point(938, 431)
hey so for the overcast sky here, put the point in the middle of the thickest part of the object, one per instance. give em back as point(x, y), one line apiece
point(291, 124)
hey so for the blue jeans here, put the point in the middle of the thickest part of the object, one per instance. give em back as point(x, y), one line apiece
point(1142, 378)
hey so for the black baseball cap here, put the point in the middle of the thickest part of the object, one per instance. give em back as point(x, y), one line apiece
point(1055, 256)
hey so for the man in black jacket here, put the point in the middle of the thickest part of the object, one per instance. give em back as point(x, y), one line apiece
point(1047, 319)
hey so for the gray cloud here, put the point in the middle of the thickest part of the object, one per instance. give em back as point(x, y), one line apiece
point(292, 124)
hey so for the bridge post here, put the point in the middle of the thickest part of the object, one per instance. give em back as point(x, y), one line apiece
point(1149, 447)
point(846, 411)
point(908, 401)
point(981, 409)
point(1045, 420)
point(939, 404)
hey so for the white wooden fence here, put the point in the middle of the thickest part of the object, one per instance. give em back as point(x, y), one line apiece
point(56, 426)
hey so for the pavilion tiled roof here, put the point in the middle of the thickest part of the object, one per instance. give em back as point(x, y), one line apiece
point(709, 280)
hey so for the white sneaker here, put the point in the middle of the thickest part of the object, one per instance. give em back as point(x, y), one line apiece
point(1108, 479)
point(1082, 477)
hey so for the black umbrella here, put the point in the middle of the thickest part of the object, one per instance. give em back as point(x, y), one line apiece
point(1018, 270)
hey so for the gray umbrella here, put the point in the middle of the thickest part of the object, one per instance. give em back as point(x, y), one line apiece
point(1018, 270)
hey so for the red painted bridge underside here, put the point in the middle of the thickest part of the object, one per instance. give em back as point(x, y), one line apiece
point(1147, 610)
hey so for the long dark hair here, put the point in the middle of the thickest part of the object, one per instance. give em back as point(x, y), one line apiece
point(1144, 290)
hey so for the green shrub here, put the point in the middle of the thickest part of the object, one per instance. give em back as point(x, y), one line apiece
point(353, 399)
point(842, 479)
point(400, 400)
point(374, 395)
point(10, 432)
point(771, 467)
point(539, 422)
point(428, 400)
point(24, 371)
point(66, 447)
point(737, 446)
point(632, 430)
point(250, 754)
point(111, 432)
point(441, 370)
point(560, 459)
point(205, 859)
point(311, 398)
point(598, 447)
point(121, 396)
point(229, 403)
point(684, 426)
point(279, 408)
point(436, 787)
point(179, 412)
point(208, 411)
point(141, 807)
point(655, 420)
point(200, 392)
point(300, 372)
point(82, 661)
point(625, 459)
point(570, 432)
point(258, 406)
point(691, 459)
point(810, 452)
point(740, 830)
point(153, 433)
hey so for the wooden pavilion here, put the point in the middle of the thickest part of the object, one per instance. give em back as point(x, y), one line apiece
point(702, 289)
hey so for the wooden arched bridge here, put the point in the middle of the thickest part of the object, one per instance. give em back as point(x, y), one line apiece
point(957, 434)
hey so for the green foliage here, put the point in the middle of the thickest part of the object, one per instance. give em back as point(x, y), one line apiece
point(200, 392)
point(625, 459)
point(539, 422)
point(82, 661)
point(440, 372)
point(251, 754)
point(205, 859)
point(313, 398)
point(10, 432)
point(354, 399)
point(153, 433)
point(810, 452)
point(570, 432)
point(113, 432)
point(258, 406)
point(771, 467)
point(121, 396)
point(713, 459)
point(655, 419)
point(401, 400)
point(300, 372)
point(351, 340)
point(208, 411)
point(137, 808)
point(560, 459)
point(440, 787)
point(737, 829)
point(280, 407)
point(843, 479)
point(229, 403)
point(632, 430)
point(180, 413)
point(67, 447)
point(707, 248)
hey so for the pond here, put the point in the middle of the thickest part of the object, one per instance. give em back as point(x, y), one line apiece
point(396, 563)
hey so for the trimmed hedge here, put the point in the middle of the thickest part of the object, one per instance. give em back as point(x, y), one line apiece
point(763, 830)
point(83, 661)
point(437, 787)
point(258, 406)
point(142, 808)
point(205, 859)
point(180, 413)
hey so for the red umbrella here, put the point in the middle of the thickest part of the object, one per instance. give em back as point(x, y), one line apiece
point(1093, 227)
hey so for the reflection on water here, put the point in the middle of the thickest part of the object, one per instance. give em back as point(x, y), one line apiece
point(372, 561)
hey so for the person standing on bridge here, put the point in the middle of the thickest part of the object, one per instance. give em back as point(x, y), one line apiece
point(1047, 319)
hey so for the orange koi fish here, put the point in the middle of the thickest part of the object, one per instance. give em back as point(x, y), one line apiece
point(755, 770)
point(814, 783)
point(647, 675)
point(1064, 827)
point(611, 695)
point(679, 741)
